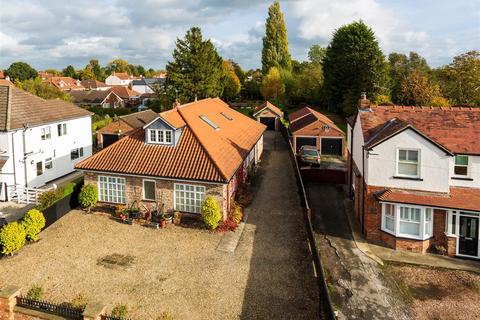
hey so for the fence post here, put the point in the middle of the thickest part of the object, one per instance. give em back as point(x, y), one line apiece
point(8, 295)
point(94, 311)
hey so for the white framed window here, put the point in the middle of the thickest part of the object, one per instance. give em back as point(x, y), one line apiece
point(111, 189)
point(407, 221)
point(61, 129)
point(461, 165)
point(189, 198)
point(159, 136)
point(408, 163)
point(46, 134)
point(48, 163)
point(76, 153)
point(149, 190)
point(39, 168)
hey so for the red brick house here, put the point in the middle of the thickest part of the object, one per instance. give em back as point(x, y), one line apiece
point(414, 173)
point(195, 150)
point(310, 127)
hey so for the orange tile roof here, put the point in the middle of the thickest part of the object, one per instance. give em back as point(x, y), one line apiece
point(18, 107)
point(2, 74)
point(446, 126)
point(124, 92)
point(203, 153)
point(121, 75)
point(66, 83)
point(269, 106)
point(457, 198)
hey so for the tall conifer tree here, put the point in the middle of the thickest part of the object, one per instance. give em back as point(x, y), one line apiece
point(275, 43)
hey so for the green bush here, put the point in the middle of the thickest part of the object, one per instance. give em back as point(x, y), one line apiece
point(120, 311)
point(48, 198)
point(33, 222)
point(80, 301)
point(12, 238)
point(88, 196)
point(211, 214)
point(67, 189)
point(237, 213)
point(36, 292)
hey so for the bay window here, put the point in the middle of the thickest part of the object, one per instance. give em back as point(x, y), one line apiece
point(189, 198)
point(408, 163)
point(407, 221)
point(111, 189)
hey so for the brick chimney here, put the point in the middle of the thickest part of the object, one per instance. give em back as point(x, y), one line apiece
point(364, 103)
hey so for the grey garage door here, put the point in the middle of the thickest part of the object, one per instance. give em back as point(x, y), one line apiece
point(305, 141)
point(332, 146)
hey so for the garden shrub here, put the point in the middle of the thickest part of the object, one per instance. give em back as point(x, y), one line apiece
point(48, 198)
point(237, 213)
point(120, 311)
point(88, 196)
point(67, 189)
point(33, 222)
point(165, 316)
point(211, 214)
point(36, 292)
point(12, 238)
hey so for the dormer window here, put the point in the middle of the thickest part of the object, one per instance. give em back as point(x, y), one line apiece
point(159, 136)
point(461, 165)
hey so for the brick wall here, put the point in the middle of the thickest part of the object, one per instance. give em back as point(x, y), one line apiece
point(164, 191)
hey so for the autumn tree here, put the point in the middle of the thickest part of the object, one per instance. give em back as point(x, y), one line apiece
point(272, 85)
point(253, 83)
point(460, 80)
point(418, 90)
point(316, 54)
point(196, 70)
point(118, 65)
point(275, 43)
point(42, 89)
point(20, 71)
point(353, 64)
point(231, 82)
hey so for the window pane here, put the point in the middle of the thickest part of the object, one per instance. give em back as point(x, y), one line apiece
point(461, 160)
point(410, 228)
point(149, 190)
point(461, 170)
point(408, 169)
point(390, 224)
point(412, 155)
point(402, 154)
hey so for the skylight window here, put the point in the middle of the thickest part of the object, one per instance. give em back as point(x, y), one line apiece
point(226, 116)
point(209, 122)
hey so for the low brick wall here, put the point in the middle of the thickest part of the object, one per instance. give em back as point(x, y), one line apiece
point(10, 311)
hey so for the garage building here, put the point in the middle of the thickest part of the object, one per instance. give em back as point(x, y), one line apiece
point(269, 115)
point(312, 128)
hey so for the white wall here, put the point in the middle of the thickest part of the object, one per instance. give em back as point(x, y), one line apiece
point(434, 164)
point(115, 81)
point(473, 173)
point(358, 143)
point(57, 147)
point(142, 89)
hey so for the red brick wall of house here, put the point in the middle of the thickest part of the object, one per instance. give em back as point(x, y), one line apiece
point(164, 191)
point(451, 246)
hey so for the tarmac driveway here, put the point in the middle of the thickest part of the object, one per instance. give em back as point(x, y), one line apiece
point(360, 289)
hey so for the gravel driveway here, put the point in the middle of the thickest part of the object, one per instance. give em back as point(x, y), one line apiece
point(179, 270)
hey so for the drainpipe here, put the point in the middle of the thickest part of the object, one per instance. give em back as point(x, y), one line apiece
point(363, 190)
point(351, 165)
point(25, 128)
point(13, 158)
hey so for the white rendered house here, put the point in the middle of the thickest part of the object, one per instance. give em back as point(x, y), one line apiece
point(118, 79)
point(40, 140)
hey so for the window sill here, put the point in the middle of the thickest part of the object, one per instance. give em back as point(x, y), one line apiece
point(148, 200)
point(462, 178)
point(449, 235)
point(408, 178)
point(402, 236)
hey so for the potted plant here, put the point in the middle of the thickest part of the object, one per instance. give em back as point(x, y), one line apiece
point(163, 221)
point(177, 218)
point(169, 218)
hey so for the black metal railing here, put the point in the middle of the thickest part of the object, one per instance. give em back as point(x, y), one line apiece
point(63, 309)
point(326, 307)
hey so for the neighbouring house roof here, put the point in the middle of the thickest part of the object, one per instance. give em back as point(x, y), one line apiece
point(121, 75)
point(2, 74)
point(203, 152)
point(124, 92)
point(6, 82)
point(125, 124)
point(458, 198)
point(307, 116)
point(94, 84)
point(90, 96)
point(148, 81)
point(66, 83)
point(18, 108)
point(446, 127)
point(269, 106)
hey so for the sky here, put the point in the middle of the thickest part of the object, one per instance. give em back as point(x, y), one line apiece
point(54, 34)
